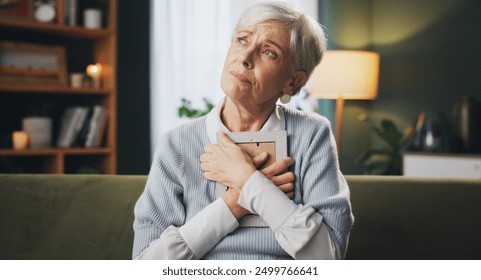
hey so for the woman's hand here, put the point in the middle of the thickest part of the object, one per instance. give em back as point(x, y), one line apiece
point(229, 164)
point(217, 162)
point(220, 162)
point(284, 181)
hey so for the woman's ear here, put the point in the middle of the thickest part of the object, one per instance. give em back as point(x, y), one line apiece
point(299, 78)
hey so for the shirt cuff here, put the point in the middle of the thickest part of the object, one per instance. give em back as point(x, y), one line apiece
point(260, 196)
point(208, 227)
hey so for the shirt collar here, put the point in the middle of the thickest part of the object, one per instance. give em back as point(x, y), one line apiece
point(214, 123)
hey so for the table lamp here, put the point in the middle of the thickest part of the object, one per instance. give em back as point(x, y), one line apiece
point(345, 74)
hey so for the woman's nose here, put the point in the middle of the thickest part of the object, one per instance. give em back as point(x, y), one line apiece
point(246, 58)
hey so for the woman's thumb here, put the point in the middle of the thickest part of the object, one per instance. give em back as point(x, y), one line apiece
point(260, 159)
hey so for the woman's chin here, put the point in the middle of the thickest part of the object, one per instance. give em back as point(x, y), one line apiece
point(235, 91)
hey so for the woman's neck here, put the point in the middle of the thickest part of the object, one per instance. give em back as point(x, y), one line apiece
point(237, 118)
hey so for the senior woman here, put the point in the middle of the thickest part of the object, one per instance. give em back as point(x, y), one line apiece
point(306, 210)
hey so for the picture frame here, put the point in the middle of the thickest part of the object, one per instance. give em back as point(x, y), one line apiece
point(32, 64)
point(255, 142)
point(16, 9)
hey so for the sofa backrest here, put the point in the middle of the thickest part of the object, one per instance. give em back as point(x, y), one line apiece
point(91, 216)
point(415, 218)
point(67, 216)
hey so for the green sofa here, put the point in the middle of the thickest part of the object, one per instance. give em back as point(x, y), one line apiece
point(90, 217)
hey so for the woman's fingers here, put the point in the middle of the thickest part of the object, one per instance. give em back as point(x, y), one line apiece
point(226, 141)
point(285, 178)
point(211, 148)
point(290, 195)
point(231, 165)
point(277, 167)
point(227, 164)
point(288, 187)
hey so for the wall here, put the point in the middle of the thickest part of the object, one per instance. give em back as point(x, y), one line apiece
point(430, 57)
point(133, 88)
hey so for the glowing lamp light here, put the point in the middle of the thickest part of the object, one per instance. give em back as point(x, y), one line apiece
point(95, 71)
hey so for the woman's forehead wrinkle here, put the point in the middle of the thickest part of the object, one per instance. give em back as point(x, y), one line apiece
point(270, 32)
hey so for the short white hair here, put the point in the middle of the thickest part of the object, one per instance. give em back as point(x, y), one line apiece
point(308, 39)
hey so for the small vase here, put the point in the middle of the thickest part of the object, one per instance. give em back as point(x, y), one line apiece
point(39, 129)
point(467, 124)
point(432, 133)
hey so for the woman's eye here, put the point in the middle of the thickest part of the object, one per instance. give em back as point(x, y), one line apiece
point(270, 53)
point(241, 41)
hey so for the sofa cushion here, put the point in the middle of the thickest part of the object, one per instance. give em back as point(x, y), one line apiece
point(67, 216)
point(415, 218)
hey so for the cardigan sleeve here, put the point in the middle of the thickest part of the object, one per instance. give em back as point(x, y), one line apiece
point(298, 228)
point(323, 185)
point(160, 229)
point(194, 239)
point(317, 227)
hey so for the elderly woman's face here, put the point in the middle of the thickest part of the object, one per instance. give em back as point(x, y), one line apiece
point(259, 65)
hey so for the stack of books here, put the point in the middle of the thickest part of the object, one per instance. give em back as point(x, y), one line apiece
point(82, 127)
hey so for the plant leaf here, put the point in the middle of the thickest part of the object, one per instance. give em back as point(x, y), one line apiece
point(389, 132)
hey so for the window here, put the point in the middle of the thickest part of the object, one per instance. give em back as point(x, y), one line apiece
point(189, 41)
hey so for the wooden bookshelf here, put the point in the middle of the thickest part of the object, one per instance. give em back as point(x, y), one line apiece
point(96, 46)
point(58, 29)
point(51, 90)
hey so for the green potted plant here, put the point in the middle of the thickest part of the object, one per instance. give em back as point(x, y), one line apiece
point(386, 160)
point(186, 110)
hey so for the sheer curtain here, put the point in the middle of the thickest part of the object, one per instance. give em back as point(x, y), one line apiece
point(189, 41)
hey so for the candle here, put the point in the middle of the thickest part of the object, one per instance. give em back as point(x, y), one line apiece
point(76, 80)
point(19, 140)
point(95, 71)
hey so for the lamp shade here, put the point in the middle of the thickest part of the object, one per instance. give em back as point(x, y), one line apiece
point(345, 74)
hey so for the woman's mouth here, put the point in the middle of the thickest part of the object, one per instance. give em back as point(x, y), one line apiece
point(240, 77)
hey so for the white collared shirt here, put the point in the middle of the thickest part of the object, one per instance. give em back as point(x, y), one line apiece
point(214, 123)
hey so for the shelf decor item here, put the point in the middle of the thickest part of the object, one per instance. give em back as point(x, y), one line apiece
point(39, 130)
point(16, 9)
point(19, 140)
point(44, 11)
point(32, 64)
point(76, 79)
point(33, 71)
point(95, 72)
point(70, 12)
point(93, 18)
point(466, 124)
point(432, 133)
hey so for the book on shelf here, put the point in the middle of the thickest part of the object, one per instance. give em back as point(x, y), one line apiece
point(82, 127)
point(70, 12)
point(82, 134)
point(65, 125)
point(70, 125)
point(97, 125)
